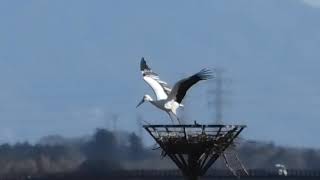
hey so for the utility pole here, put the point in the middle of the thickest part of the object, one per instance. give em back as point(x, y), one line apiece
point(114, 119)
point(139, 125)
point(216, 95)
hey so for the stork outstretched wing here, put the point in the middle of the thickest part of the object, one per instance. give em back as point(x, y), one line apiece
point(180, 89)
point(160, 88)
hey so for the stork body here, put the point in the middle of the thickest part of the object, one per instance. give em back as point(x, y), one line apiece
point(167, 99)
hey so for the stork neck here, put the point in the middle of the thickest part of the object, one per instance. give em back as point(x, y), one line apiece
point(153, 102)
point(149, 98)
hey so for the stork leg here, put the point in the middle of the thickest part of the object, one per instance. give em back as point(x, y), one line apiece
point(174, 114)
point(170, 117)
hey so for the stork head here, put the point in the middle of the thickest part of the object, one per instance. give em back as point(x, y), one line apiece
point(144, 99)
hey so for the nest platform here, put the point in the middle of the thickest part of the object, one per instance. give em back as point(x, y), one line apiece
point(194, 148)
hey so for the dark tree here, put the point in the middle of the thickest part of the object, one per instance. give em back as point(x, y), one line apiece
point(102, 147)
point(136, 150)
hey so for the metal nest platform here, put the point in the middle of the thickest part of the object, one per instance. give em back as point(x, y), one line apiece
point(194, 148)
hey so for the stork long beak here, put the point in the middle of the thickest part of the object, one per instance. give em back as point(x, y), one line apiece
point(142, 101)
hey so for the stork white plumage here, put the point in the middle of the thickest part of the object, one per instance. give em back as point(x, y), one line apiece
point(167, 99)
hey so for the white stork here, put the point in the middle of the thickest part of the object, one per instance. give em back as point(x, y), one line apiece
point(167, 99)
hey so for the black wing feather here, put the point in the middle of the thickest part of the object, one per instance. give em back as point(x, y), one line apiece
point(143, 65)
point(145, 69)
point(185, 84)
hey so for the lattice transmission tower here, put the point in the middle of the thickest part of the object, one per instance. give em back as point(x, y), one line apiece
point(217, 95)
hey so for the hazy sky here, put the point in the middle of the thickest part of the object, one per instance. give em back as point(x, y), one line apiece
point(66, 66)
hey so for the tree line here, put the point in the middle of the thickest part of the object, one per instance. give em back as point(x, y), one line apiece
point(106, 151)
